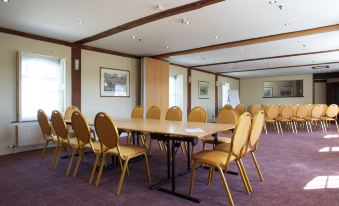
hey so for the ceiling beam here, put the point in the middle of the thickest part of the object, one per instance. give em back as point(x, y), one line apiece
point(266, 58)
point(254, 41)
point(283, 67)
point(148, 19)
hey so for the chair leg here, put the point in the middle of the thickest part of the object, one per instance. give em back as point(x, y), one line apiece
point(160, 145)
point(70, 161)
point(203, 145)
point(228, 193)
point(336, 124)
point(147, 168)
point(122, 177)
point(54, 156)
point(211, 175)
point(94, 168)
point(246, 176)
point(57, 158)
point(121, 167)
point(103, 162)
point(42, 156)
point(265, 128)
point(192, 178)
point(257, 166)
point(248, 191)
point(80, 154)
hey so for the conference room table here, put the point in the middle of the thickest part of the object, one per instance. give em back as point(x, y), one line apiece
point(172, 133)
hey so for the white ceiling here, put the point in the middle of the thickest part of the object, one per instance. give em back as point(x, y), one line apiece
point(231, 20)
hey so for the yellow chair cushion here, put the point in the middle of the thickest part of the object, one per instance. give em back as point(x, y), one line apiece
point(127, 151)
point(96, 147)
point(73, 142)
point(210, 140)
point(212, 157)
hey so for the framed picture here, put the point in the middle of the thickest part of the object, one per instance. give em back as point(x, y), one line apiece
point(268, 92)
point(114, 82)
point(203, 90)
point(286, 91)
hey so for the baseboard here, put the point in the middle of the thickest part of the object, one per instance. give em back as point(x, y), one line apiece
point(7, 150)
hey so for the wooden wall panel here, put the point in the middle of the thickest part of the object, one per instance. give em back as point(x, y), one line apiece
point(76, 78)
point(156, 84)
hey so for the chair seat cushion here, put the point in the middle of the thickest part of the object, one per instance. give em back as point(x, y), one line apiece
point(96, 147)
point(210, 140)
point(73, 142)
point(212, 157)
point(127, 151)
point(327, 119)
point(224, 147)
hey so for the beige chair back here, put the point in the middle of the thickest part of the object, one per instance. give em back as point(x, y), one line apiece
point(138, 112)
point(153, 113)
point(309, 108)
point(174, 114)
point(106, 131)
point(302, 111)
point(254, 109)
point(240, 138)
point(240, 108)
point(69, 111)
point(59, 125)
point(81, 128)
point(227, 106)
point(256, 129)
point(197, 114)
point(294, 109)
point(332, 111)
point(44, 124)
point(286, 112)
point(227, 116)
point(272, 111)
point(323, 114)
point(317, 111)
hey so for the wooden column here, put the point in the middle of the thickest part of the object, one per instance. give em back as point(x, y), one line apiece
point(76, 77)
point(216, 96)
point(189, 91)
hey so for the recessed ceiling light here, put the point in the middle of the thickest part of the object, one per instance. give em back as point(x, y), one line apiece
point(242, 50)
point(184, 21)
point(159, 7)
point(216, 37)
point(167, 47)
point(80, 21)
point(6, 1)
point(272, 2)
point(134, 37)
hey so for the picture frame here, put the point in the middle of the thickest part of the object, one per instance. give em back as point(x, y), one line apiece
point(203, 90)
point(114, 82)
point(268, 92)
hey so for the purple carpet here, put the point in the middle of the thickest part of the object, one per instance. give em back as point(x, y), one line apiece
point(295, 173)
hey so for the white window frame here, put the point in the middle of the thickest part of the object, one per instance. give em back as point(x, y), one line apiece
point(179, 95)
point(19, 83)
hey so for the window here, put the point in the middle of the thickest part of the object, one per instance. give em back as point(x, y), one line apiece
point(41, 85)
point(176, 90)
point(224, 93)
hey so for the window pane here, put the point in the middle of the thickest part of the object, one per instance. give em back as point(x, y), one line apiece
point(41, 85)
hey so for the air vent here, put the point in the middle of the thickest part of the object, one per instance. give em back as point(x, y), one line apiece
point(321, 67)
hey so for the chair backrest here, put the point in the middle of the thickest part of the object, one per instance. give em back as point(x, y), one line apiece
point(197, 114)
point(309, 108)
point(254, 109)
point(302, 111)
point(138, 112)
point(332, 111)
point(227, 116)
point(81, 128)
point(294, 109)
point(286, 112)
point(174, 114)
point(317, 111)
point(256, 129)
point(240, 139)
point(240, 108)
point(323, 114)
point(227, 106)
point(153, 113)
point(272, 111)
point(59, 125)
point(44, 124)
point(106, 131)
point(69, 111)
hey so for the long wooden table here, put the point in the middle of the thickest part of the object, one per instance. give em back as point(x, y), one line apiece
point(172, 133)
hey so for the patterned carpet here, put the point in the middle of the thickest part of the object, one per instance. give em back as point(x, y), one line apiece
point(298, 169)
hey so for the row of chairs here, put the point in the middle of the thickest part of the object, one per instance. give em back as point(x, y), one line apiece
point(83, 140)
point(309, 116)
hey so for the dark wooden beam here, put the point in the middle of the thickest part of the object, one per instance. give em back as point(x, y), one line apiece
point(324, 76)
point(283, 67)
point(216, 97)
point(266, 58)
point(76, 78)
point(254, 41)
point(106, 51)
point(148, 19)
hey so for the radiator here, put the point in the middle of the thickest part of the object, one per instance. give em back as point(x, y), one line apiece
point(29, 134)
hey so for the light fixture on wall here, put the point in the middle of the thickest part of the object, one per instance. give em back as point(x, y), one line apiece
point(76, 64)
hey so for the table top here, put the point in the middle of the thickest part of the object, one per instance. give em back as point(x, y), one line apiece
point(176, 128)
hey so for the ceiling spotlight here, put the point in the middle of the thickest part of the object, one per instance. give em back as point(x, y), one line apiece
point(159, 7)
point(6, 1)
point(80, 21)
point(216, 37)
point(134, 37)
point(167, 47)
point(272, 2)
point(184, 21)
point(242, 50)
point(321, 67)
point(140, 39)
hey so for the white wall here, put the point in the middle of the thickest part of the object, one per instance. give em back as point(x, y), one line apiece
point(251, 90)
point(173, 69)
point(208, 104)
point(10, 45)
point(91, 102)
point(320, 92)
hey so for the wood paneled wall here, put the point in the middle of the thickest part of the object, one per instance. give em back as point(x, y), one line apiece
point(156, 84)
